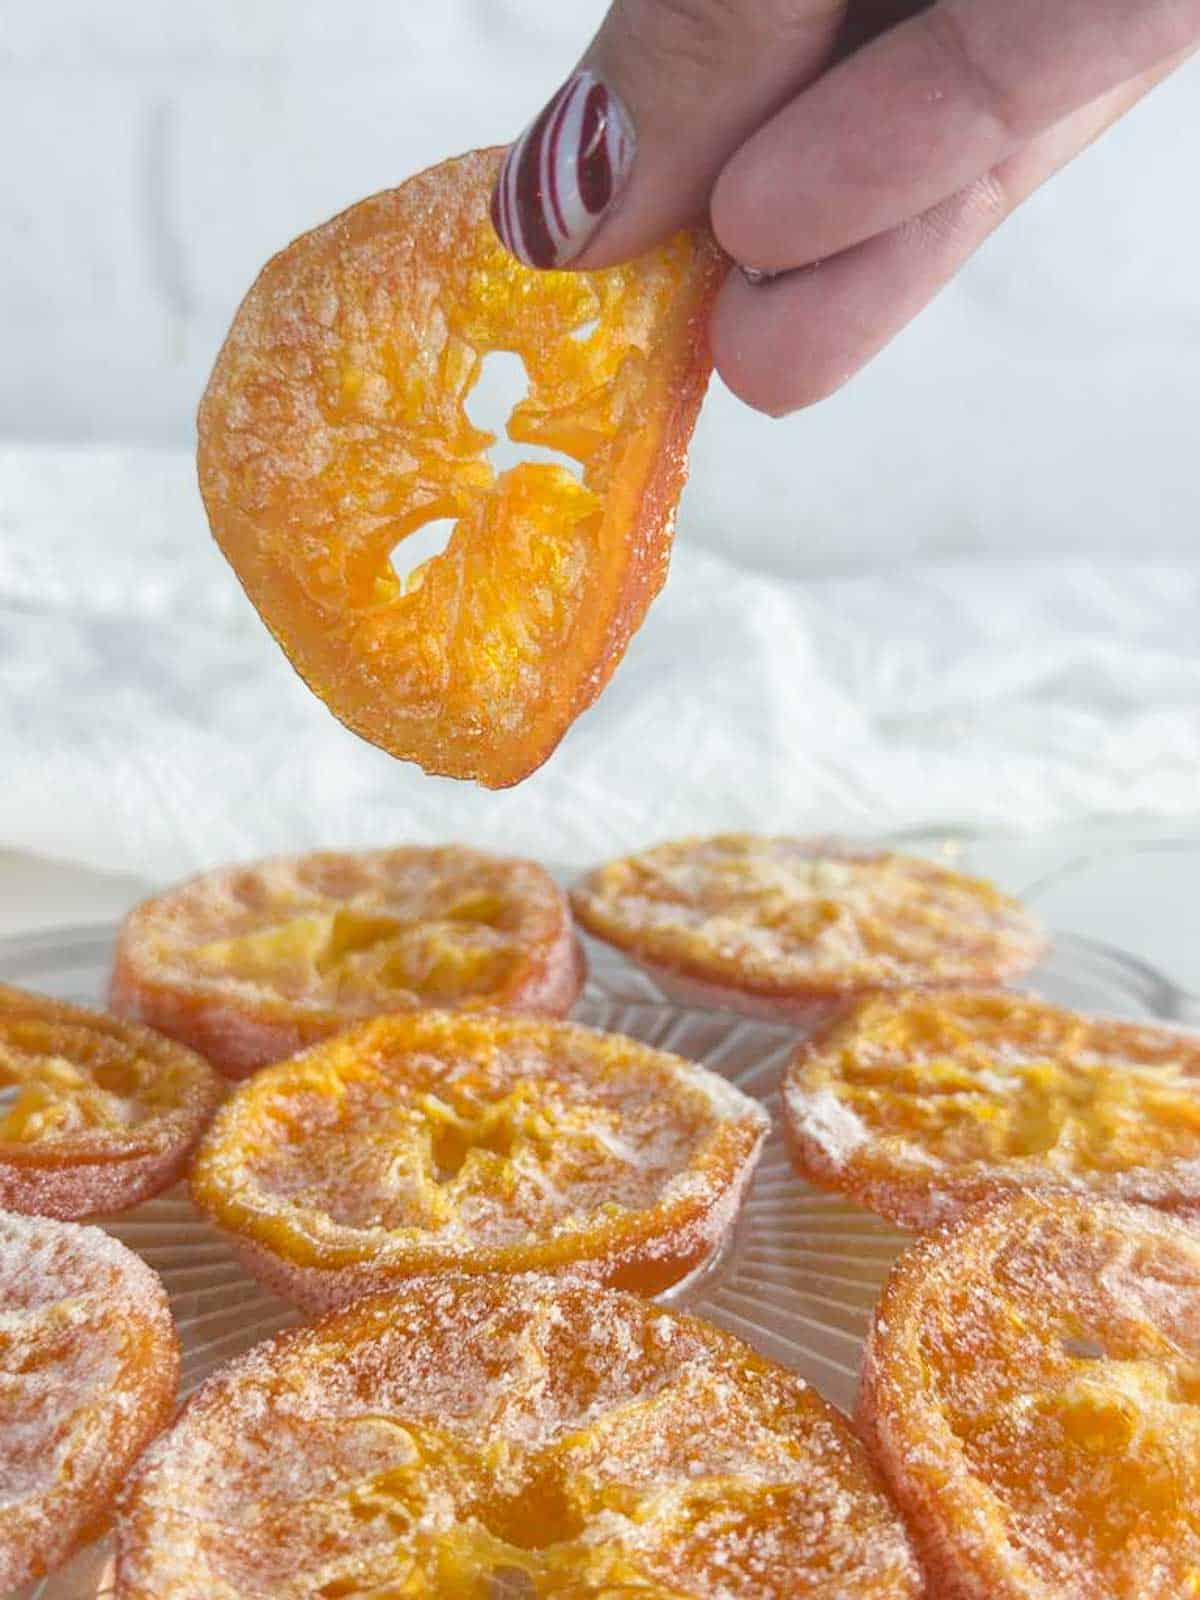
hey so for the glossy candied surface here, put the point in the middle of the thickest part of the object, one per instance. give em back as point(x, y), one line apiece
point(1032, 1390)
point(335, 425)
point(786, 918)
point(920, 1102)
point(487, 1144)
point(474, 1438)
point(95, 1114)
point(89, 1363)
point(251, 963)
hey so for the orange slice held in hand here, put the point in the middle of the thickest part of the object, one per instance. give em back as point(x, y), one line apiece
point(334, 426)
point(89, 1364)
point(431, 1142)
point(95, 1114)
point(1032, 1390)
point(918, 1103)
point(781, 927)
point(249, 964)
point(467, 1439)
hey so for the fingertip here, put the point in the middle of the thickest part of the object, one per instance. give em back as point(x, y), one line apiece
point(736, 355)
point(722, 215)
point(762, 355)
point(730, 216)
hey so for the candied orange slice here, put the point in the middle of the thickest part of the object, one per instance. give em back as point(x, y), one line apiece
point(89, 1364)
point(779, 927)
point(95, 1114)
point(334, 426)
point(918, 1103)
point(477, 1438)
point(252, 963)
point(1032, 1390)
point(428, 1142)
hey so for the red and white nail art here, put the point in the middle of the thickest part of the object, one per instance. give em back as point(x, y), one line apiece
point(563, 173)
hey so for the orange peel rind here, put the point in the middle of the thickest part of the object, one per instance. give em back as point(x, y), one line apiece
point(1031, 1389)
point(783, 928)
point(478, 1438)
point(919, 1103)
point(89, 1364)
point(249, 964)
point(432, 1142)
point(96, 1115)
point(334, 426)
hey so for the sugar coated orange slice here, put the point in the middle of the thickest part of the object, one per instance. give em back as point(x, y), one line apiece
point(918, 1103)
point(779, 927)
point(479, 1438)
point(430, 1142)
point(95, 1114)
point(1032, 1389)
point(252, 963)
point(89, 1363)
point(335, 425)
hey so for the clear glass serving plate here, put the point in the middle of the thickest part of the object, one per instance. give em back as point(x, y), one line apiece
point(797, 1277)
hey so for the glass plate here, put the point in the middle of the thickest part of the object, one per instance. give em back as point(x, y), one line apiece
point(797, 1277)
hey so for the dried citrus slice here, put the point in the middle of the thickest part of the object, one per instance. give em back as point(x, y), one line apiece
point(89, 1363)
point(478, 1438)
point(918, 1103)
point(251, 963)
point(779, 927)
point(334, 426)
point(95, 1114)
point(428, 1142)
point(1032, 1389)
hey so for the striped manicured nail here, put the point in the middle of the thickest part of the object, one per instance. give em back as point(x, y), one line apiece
point(563, 173)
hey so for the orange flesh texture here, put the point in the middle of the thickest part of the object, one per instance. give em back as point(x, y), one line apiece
point(249, 964)
point(424, 1142)
point(920, 1102)
point(90, 1106)
point(510, 1438)
point(88, 1368)
point(1035, 1387)
point(71, 1077)
point(335, 425)
point(781, 916)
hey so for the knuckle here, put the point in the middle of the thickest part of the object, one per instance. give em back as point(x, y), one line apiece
point(988, 199)
point(954, 48)
point(706, 36)
point(688, 34)
point(963, 218)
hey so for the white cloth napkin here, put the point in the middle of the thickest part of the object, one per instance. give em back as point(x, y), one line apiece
point(148, 723)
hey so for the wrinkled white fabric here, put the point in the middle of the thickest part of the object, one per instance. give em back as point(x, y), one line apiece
point(149, 724)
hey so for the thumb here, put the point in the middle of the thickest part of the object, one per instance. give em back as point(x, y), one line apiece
point(629, 148)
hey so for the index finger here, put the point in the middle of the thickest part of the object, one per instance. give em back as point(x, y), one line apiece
point(925, 110)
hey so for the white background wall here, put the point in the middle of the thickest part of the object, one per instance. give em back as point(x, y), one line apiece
point(156, 151)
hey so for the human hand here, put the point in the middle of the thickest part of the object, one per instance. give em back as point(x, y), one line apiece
point(852, 155)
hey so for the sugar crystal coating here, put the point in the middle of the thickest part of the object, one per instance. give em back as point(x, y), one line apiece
point(250, 963)
point(89, 1364)
point(335, 424)
point(474, 1438)
point(95, 1114)
point(1031, 1388)
point(920, 1102)
point(431, 1141)
point(776, 925)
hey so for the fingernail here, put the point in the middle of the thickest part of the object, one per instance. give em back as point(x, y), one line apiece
point(563, 173)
